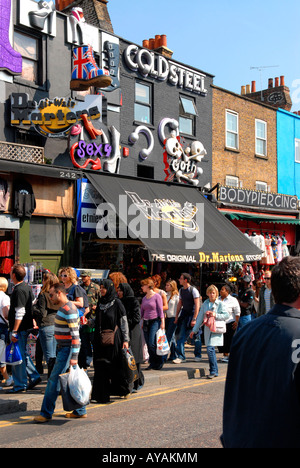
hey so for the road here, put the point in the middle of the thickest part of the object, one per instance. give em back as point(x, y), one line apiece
point(185, 414)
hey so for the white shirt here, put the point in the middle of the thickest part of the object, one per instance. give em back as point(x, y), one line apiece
point(172, 305)
point(4, 302)
point(233, 307)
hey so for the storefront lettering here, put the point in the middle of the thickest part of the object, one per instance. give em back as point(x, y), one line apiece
point(93, 149)
point(50, 117)
point(257, 199)
point(149, 64)
point(216, 257)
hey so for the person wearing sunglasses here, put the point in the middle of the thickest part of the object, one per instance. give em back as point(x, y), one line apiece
point(266, 299)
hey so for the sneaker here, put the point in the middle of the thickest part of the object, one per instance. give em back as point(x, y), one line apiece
point(8, 382)
point(211, 376)
point(198, 359)
point(177, 361)
point(225, 359)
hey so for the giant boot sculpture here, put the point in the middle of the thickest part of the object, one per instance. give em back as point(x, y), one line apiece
point(86, 72)
point(10, 60)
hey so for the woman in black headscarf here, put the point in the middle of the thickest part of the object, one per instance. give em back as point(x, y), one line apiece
point(110, 315)
point(132, 307)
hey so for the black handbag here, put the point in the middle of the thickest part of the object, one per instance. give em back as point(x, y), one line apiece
point(129, 366)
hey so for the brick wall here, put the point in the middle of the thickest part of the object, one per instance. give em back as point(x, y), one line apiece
point(243, 163)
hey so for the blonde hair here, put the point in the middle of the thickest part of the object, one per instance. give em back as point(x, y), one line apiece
point(70, 272)
point(49, 280)
point(117, 278)
point(3, 284)
point(174, 290)
point(211, 288)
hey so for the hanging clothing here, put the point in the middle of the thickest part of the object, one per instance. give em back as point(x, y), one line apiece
point(4, 194)
point(274, 248)
point(24, 199)
point(269, 259)
point(279, 249)
point(285, 250)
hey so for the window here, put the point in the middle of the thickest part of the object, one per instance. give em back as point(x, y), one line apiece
point(142, 105)
point(232, 130)
point(262, 186)
point(45, 234)
point(260, 138)
point(297, 150)
point(28, 47)
point(187, 114)
point(232, 181)
point(145, 172)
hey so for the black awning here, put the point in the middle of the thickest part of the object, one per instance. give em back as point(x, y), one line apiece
point(43, 170)
point(176, 223)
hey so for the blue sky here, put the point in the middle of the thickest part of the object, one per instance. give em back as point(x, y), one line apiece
point(223, 38)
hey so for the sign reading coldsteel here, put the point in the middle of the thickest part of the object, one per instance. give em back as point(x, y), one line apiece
point(253, 198)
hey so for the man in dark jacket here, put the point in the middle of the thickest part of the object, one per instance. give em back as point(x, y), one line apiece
point(262, 393)
point(20, 322)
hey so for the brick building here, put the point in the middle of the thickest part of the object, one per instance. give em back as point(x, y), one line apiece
point(245, 162)
point(238, 158)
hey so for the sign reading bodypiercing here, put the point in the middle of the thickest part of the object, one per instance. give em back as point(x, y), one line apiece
point(52, 117)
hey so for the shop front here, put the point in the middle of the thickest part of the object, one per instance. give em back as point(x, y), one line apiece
point(144, 227)
point(36, 217)
point(268, 220)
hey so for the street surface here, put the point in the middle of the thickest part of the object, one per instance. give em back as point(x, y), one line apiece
point(181, 413)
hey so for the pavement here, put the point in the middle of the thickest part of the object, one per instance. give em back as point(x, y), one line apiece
point(170, 374)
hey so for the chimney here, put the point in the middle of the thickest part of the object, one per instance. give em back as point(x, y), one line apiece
point(243, 90)
point(60, 5)
point(270, 82)
point(95, 12)
point(282, 81)
point(253, 87)
point(276, 82)
point(159, 44)
point(248, 89)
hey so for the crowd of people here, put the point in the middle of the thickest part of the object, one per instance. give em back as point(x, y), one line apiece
point(81, 322)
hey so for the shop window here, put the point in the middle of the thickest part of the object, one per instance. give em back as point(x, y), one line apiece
point(142, 105)
point(260, 138)
point(45, 234)
point(297, 150)
point(187, 115)
point(232, 181)
point(261, 186)
point(232, 130)
point(28, 47)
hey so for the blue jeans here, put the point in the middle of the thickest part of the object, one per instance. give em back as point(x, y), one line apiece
point(27, 368)
point(212, 359)
point(243, 321)
point(48, 342)
point(150, 327)
point(184, 332)
point(53, 386)
point(170, 334)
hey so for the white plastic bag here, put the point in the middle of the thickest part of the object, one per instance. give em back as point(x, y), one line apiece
point(79, 385)
point(162, 345)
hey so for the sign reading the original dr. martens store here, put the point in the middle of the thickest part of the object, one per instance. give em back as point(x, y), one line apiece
point(52, 118)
